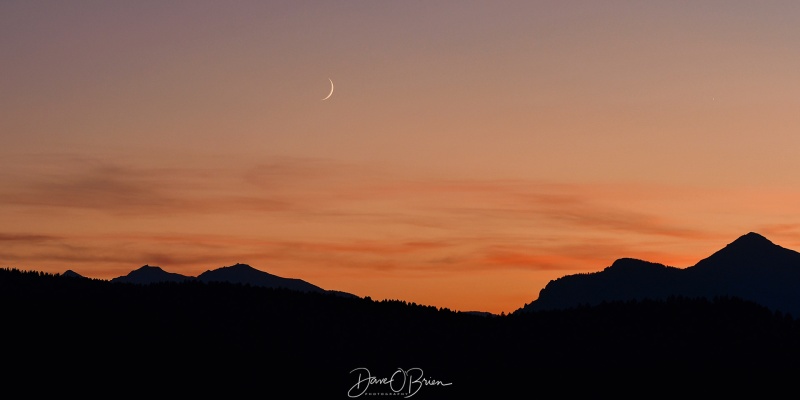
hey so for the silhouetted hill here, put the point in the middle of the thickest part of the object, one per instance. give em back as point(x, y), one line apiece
point(751, 253)
point(247, 275)
point(241, 274)
point(206, 336)
point(480, 313)
point(151, 274)
point(625, 279)
point(751, 268)
point(72, 274)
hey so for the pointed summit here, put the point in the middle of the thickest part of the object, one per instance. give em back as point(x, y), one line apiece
point(72, 274)
point(750, 251)
point(751, 240)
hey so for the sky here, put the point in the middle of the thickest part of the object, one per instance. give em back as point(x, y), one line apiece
point(471, 151)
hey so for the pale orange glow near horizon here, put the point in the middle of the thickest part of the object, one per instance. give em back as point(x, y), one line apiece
point(471, 152)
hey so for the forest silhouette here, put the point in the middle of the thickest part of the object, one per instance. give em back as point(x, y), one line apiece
point(221, 334)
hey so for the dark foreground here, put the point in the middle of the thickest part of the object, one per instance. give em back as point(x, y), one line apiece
point(80, 334)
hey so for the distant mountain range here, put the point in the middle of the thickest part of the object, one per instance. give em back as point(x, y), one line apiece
point(644, 316)
point(238, 274)
point(750, 268)
point(241, 339)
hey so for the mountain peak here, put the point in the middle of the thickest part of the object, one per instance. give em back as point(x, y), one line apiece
point(751, 240)
point(245, 274)
point(150, 274)
point(150, 268)
point(751, 267)
point(627, 263)
point(240, 266)
point(749, 245)
point(749, 251)
point(72, 273)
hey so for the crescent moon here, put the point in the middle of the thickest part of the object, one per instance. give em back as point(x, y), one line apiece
point(329, 94)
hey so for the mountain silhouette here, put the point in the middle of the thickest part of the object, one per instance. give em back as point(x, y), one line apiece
point(749, 253)
point(151, 274)
point(751, 268)
point(625, 279)
point(72, 274)
point(242, 274)
point(247, 275)
point(225, 336)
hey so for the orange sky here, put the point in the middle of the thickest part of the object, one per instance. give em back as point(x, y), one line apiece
point(470, 153)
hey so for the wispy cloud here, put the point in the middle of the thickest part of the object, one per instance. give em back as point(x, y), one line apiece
point(26, 238)
point(129, 191)
point(297, 212)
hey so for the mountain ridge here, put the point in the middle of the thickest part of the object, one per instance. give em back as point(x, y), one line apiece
point(238, 273)
point(247, 275)
point(150, 274)
point(751, 267)
point(217, 333)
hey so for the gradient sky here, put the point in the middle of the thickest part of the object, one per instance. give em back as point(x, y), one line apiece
point(470, 153)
